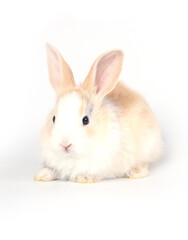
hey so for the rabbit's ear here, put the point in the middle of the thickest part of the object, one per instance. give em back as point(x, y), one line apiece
point(60, 73)
point(104, 73)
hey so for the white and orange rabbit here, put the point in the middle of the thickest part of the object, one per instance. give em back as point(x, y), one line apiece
point(98, 130)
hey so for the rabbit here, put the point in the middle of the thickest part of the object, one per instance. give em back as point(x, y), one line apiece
point(98, 130)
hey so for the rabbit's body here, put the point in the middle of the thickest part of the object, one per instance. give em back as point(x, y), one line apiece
point(121, 138)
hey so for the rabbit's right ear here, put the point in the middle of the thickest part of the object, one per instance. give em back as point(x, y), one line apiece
point(60, 73)
point(104, 73)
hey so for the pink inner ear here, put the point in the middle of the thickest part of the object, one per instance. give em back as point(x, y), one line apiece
point(55, 64)
point(103, 70)
point(54, 68)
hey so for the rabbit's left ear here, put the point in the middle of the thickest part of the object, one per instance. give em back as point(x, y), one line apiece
point(60, 73)
point(104, 73)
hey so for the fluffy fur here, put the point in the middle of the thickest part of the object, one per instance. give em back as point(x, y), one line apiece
point(122, 136)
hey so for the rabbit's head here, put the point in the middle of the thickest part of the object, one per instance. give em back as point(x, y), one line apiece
point(79, 120)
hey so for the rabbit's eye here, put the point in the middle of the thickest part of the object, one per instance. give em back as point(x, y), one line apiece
point(53, 119)
point(85, 120)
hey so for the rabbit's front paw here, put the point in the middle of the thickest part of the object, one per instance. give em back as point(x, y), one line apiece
point(45, 175)
point(86, 180)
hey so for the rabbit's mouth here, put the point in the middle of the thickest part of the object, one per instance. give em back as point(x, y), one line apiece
point(66, 148)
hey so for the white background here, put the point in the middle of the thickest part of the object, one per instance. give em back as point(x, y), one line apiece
point(154, 38)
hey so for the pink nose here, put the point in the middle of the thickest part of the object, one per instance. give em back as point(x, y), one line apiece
point(66, 147)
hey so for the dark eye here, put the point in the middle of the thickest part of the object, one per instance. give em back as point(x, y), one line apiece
point(53, 119)
point(85, 120)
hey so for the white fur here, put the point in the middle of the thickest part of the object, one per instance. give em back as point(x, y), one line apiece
point(94, 157)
